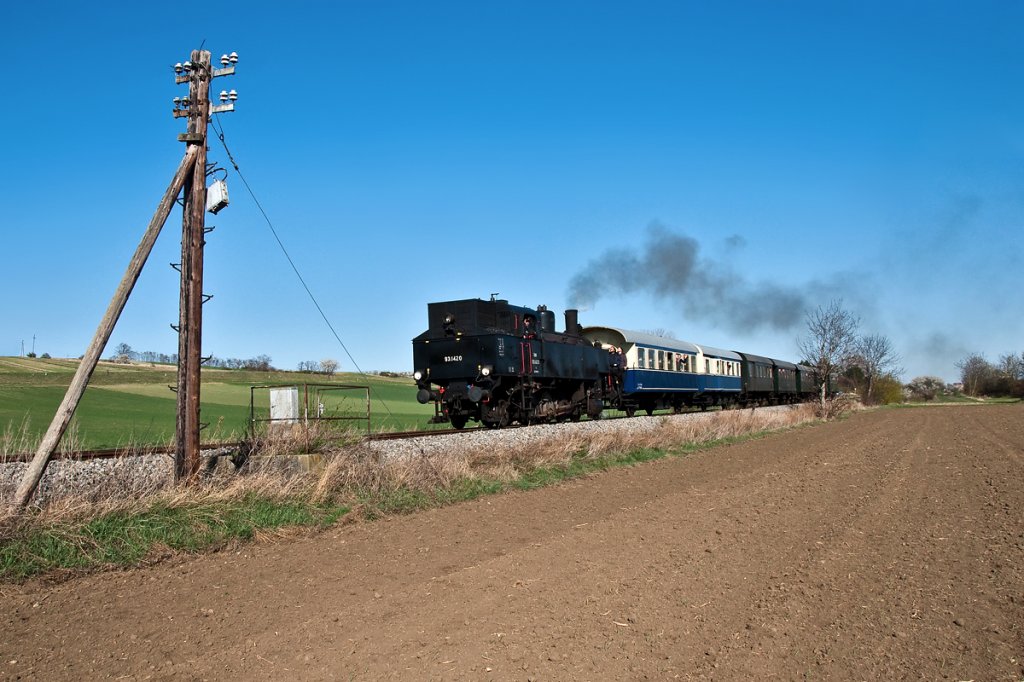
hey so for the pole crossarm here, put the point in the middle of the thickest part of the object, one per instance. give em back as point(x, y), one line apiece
point(88, 364)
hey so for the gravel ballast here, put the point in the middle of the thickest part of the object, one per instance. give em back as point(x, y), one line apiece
point(137, 475)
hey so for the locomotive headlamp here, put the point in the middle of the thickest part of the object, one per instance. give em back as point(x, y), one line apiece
point(417, 375)
point(449, 319)
point(485, 371)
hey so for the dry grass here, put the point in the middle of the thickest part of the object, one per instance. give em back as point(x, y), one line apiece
point(360, 468)
point(837, 407)
point(352, 473)
point(15, 440)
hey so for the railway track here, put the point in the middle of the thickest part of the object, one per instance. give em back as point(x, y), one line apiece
point(111, 453)
point(227, 447)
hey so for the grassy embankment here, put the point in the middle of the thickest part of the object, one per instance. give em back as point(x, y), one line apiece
point(957, 399)
point(72, 536)
point(132, 404)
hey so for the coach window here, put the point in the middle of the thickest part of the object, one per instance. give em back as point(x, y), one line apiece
point(650, 358)
point(661, 359)
point(640, 358)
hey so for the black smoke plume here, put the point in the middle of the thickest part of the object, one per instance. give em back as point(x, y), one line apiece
point(670, 268)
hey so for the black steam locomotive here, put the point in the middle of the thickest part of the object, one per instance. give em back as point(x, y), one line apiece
point(495, 363)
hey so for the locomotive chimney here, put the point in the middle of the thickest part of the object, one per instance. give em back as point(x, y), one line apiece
point(572, 325)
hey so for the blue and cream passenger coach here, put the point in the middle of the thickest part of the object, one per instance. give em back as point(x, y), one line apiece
point(666, 373)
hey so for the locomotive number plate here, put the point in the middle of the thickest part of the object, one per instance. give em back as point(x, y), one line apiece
point(453, 358)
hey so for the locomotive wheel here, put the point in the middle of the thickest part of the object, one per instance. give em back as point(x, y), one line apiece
point(630, 411)
point(459, 420)
point(497, 423)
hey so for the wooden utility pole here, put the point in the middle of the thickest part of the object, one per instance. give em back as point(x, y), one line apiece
point(191, 175)
point(198, 74)
point(92, 355)
point(190, 313)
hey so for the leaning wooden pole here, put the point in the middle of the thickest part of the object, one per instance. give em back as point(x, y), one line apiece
point(85, 368)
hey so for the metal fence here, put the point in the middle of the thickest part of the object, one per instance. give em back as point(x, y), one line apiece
point(289, 404)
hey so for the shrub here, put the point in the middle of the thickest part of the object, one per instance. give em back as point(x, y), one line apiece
point(925, 388)
point(887, 390)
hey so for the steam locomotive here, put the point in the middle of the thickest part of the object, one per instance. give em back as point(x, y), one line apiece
point(498, 364)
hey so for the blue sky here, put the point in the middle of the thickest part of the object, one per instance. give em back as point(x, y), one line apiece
point(413, 152)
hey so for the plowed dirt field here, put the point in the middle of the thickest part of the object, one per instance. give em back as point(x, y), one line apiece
point(886, 546)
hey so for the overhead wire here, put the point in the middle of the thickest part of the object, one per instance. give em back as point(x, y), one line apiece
point(219, 129)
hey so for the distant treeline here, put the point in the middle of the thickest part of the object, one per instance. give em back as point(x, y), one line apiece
point(124, 353)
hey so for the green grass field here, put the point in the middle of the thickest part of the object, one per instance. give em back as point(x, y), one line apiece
point(133, 404)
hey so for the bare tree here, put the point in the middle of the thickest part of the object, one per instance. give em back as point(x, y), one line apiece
point(123, 353)
point(831, 336)
point(1012, 366)
point(975, 371)
point(875, 356)
point(260, 363)
point(329, 366)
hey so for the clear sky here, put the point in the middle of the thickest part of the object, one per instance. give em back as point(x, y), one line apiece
point(660, 164)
